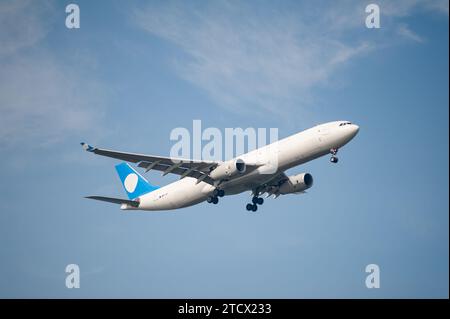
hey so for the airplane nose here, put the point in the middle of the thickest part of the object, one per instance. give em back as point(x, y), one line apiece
point(355, 129)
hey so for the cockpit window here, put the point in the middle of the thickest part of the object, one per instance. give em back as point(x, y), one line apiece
point(345, 123)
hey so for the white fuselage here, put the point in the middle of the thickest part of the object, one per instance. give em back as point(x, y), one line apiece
point(272, 159)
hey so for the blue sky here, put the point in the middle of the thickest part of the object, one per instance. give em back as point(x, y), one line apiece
point(136, 70)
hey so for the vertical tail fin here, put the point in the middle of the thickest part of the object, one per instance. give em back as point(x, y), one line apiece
point(134, 184)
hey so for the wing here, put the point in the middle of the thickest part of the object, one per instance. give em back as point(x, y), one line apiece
point(183, 167)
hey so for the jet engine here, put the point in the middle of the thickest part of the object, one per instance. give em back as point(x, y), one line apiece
point(228, 169)
point(296, 184)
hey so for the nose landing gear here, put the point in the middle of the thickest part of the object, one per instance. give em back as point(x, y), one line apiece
point(333, 158)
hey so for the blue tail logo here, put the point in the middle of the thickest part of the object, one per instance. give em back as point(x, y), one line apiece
point(135, 185)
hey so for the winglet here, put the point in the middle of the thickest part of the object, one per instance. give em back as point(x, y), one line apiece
point(87, 147)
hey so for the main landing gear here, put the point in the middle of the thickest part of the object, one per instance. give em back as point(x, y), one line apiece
point(214, 198)
point(254, 205)
point(333, 158)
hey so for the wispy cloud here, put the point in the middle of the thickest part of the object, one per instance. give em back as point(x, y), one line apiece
point(260, 60)
point(251, 59)
point(406, 32)
point(22, 24)
point(43, 99)
point(439, 5)
point(402, 8)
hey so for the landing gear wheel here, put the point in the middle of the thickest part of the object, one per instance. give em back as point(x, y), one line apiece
point(254, 208)
point(212, 199)
point(257, 200)
point(249, 207)
point(334, 159)
point(221, 193)
point(215, 193)
point(334, 151)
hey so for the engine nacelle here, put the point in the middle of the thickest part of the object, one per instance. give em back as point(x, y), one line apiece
point(228, 169)
point(296, 184)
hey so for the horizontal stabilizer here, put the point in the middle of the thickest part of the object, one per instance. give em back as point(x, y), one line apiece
point(132, 203)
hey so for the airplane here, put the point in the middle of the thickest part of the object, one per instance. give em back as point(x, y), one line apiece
point(202, 180)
